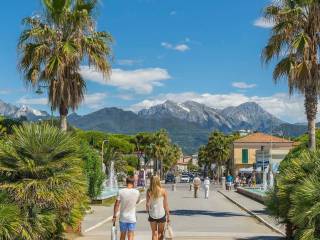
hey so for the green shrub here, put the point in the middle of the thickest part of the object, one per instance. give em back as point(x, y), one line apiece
point(295, 196)
point(42, 175)
point(93, 170)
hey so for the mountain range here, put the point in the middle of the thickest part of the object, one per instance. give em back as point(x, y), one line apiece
point(12, 111)
point(189, 124)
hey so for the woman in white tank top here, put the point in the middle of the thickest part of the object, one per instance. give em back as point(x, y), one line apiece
point(157, 208)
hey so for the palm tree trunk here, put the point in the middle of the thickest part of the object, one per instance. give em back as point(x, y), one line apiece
point(63, 110)
point(311, 102)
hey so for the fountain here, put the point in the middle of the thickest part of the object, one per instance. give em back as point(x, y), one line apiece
point(271, 179)
point(110, 186)
point(265, 182)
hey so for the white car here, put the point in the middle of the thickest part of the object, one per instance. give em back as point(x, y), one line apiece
point(184, 178)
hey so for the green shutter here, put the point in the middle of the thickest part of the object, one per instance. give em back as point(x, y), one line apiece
point(245, 156)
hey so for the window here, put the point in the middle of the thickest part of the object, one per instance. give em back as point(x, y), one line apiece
point(245, 156)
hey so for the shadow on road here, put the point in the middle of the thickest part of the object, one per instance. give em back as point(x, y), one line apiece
point(261, 238)
point(185, 212)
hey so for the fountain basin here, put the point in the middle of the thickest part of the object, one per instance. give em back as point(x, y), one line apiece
point(253, 193)
point(108, 192)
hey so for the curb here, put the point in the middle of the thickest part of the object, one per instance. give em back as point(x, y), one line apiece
point(260, 219)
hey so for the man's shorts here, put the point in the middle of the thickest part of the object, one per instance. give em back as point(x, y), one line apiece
point(127, 227)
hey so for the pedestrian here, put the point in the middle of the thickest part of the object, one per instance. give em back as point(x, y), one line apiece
point(127, 200)
point(196, 186)
point(206, 184)
point(158, 208)
point(254, 181)
point(229, 182)
point(237, 182)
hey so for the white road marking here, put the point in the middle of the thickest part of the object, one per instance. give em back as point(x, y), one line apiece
point(104, 221)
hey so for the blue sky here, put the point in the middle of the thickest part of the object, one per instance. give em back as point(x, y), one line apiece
point(207, 51)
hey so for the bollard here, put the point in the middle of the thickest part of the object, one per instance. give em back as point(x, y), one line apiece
point(173, 187)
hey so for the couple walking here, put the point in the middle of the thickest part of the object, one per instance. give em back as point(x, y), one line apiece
point(156, 206)
point(196, 186)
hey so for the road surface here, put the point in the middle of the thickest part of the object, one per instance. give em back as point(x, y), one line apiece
point(213, 218)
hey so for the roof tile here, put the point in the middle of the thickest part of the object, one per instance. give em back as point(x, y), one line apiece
point(261, 138)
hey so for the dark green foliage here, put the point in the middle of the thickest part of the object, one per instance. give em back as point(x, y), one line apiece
point(132, 160)
point(120, 142)
point(217, 150)
point(7, 125)
point(295, 197)
point(42, 175)
point(93, 170)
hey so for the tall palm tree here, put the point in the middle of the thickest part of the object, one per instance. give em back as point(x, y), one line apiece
point(218, 150)
point(55, 44)
point(160, 147)
point(295, 43)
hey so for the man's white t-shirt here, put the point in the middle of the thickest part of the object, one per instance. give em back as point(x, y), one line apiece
point(206, 183)
point(128, 197)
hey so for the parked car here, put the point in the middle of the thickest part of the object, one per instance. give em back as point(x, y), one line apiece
point(170, 178)
point(184, 178)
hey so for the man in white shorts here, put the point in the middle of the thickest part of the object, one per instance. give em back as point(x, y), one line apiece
point(206, 185)
point(127, 200)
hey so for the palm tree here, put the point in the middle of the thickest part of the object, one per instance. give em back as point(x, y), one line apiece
point(305, 212)
point(53, 46)
point(12, 220)
point(173, 154)
point(218, 150)
point(159, 148)
point(295, 43)
point(41, 173)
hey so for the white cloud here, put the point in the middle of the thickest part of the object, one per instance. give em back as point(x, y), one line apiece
point(33, 101)
point(290, 109)
point(94, 100)
point(141, 81)
point(262, 22)
point(128, 62)
point(243, 85)
point(179, 47)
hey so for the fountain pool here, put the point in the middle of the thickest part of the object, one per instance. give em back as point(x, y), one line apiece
point(254, 193)
point(110, 186)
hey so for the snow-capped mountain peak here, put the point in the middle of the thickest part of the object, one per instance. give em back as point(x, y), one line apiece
point(13, 111)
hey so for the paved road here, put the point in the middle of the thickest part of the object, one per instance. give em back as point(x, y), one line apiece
point(216, 218)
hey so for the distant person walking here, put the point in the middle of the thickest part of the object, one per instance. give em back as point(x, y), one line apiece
point(196, 186)
point(206, 185)
point(127, 200)
point(229, 182)
point(158, 208)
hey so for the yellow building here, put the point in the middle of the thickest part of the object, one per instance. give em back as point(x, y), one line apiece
point(247, 151)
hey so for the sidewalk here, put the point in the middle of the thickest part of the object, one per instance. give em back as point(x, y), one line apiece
point(255, 208)
point(98, 216)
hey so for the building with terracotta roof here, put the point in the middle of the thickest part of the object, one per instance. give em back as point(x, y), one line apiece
point(182, 164)
point(258, 150)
